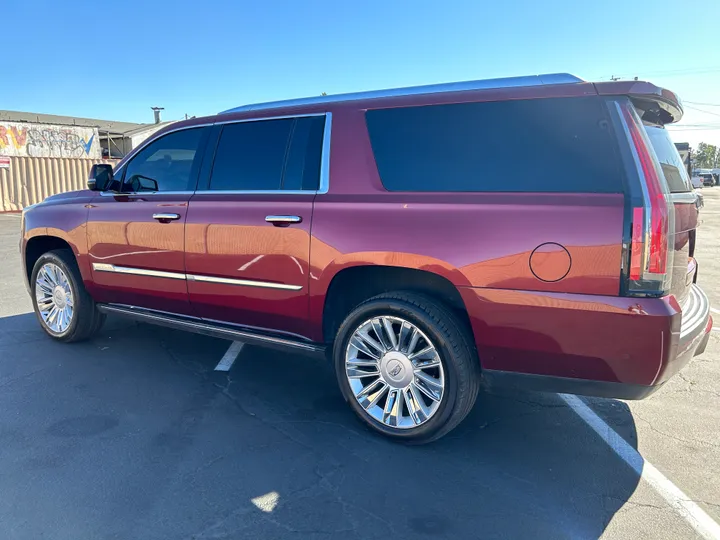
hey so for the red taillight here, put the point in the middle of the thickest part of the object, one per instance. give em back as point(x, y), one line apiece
point(659, 212)
point(637, 245)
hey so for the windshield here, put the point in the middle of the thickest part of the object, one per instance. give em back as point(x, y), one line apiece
point(670, 160)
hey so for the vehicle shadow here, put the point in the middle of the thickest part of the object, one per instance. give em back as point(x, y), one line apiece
point(521, 464)
point(271, 450)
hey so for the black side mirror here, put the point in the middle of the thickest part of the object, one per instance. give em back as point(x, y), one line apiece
point(139, 183)
point(101, 176)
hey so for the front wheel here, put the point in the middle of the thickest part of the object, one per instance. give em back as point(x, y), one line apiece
point(407, 366)
point(64, 308)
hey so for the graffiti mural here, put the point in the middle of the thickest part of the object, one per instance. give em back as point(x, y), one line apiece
point(42, 140)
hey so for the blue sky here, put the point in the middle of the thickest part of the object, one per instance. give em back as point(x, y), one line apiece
point(114, 60)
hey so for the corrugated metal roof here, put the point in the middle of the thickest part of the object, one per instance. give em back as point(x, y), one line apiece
point(119, 128)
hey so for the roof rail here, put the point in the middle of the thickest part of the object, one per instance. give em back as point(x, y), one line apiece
point(508, 82)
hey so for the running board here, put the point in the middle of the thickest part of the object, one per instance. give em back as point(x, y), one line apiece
point(199, 326)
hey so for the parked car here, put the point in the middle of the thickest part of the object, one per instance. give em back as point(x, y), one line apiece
point(375, 229)
point(707, 179)
point(697, 181)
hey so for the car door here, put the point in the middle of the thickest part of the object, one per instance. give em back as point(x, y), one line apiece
point(248, 229)
point(136, 233)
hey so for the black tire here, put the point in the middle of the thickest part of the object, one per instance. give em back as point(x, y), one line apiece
point(86, 319)
point(455, 348)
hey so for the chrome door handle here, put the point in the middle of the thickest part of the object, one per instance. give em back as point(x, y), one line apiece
point(283, 221)
point(166, 217)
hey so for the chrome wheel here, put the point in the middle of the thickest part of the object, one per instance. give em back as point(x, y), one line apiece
point(54, 297)
point(394, 372)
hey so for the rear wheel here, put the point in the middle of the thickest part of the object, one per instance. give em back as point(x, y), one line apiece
point(64, 308)
point(407, 366)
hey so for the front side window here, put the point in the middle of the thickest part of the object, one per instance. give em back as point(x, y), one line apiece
point(168, 164)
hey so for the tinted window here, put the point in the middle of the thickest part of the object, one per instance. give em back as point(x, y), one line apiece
point(251, 155)
point(672, 164)
point(167, 164)
point(540, 145)
point(302, 170)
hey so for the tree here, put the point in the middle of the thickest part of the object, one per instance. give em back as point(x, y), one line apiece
point(706, 156)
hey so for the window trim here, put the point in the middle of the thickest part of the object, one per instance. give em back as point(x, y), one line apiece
point(323, 187)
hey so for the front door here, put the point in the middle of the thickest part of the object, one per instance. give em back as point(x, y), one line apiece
point(248, 228)
point(136, 233)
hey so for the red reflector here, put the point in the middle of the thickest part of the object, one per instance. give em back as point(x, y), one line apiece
point(659, 213)
point(636, 247)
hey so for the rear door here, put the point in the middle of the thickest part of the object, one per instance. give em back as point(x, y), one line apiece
point(248, 228)
point(136, 233)
point(686, 210)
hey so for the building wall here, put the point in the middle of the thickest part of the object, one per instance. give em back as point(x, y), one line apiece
point(28, 180)
point(140, 137)
point(22, 139)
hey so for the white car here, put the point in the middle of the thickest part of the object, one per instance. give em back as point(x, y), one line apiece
point(697, 182)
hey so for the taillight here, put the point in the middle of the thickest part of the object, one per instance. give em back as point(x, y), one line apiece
point(653, 223)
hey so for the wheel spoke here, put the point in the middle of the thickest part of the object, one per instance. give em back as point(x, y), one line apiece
point(391, 333)
point(357, 373)
point(427, 350)
point(360, 345)
point(413, 341)
point(44, 303)
point(365, 338)
point(405, 330)
point(413, 407)
point(425, 363)
point(368, 394)
point(393, 405)
point(428, 385)
point(379, 331)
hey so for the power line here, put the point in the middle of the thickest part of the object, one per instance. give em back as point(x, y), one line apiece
point(699, 103)
point(703, 111)
point(675, 72)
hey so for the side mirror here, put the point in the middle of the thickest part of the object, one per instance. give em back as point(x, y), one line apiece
point(139, 183)
point(101, 175)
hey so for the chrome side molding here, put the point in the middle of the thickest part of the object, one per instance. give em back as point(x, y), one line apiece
point(104, 267)
point(201, 326)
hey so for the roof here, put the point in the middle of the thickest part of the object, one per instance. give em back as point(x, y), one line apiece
point(485, 84)
point(111, 126)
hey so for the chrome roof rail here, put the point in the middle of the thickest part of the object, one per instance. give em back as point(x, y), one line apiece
point(508, 82)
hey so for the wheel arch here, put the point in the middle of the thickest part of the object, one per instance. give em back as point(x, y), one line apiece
point(352, 284)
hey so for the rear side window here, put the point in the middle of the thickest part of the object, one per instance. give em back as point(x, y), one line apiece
point(672, 164)
point(251, 155)
point(269, 155)
point(539, 145)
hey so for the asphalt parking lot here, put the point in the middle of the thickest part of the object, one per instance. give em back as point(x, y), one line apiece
point(134, 435)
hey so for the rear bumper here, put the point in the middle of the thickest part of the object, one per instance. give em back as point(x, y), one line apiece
point(581, 344)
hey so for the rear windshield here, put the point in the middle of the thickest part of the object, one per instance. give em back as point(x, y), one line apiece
point(536, 145)
point(670, 160)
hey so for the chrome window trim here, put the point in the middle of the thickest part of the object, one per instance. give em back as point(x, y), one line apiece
point(251, 192)
point(143, 193)
point(486, 84)
point(105, 267)
point(323, 187)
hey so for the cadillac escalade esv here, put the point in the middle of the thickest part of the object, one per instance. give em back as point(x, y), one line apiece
point(391, 232)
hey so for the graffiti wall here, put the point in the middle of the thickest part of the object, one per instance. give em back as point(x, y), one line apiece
point(22, 139)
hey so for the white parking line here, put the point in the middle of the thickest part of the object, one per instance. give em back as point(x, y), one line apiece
point(693, 514)
point(715, 310)
point(229, 357)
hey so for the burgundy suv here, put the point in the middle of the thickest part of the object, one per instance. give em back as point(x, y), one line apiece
point(536, 232)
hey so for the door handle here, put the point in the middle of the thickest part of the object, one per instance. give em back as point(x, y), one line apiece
point(283, 221)
point(164, 218)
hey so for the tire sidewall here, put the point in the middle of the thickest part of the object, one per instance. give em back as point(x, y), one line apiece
point(393, 307)
point(74, 286)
